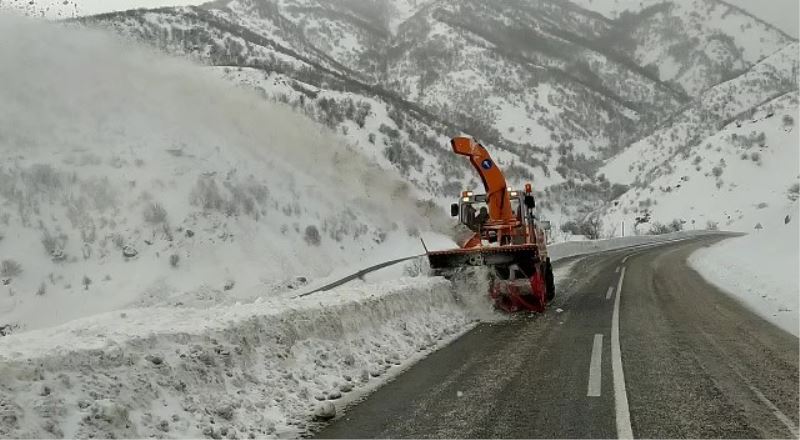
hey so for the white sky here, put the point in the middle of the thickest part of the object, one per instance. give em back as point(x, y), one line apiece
point(785, 14)
point(98, 6)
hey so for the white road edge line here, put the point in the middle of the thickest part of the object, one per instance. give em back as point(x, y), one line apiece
point(623, 414)
point(610, 291)
point(595, 366)
point(626, 258)
point(778, 413)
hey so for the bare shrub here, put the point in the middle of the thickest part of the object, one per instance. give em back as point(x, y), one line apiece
point(312, 236)
point(42, 289)
point(54, 244)
point(657, 228)
point(10, 268)
point(712, 226)
point(206, 194)
point(43, 177)
point(717, 171)
point(155, 214)
point(86, 282)
point(174, 259)
point(676, 225)
point(794, 192)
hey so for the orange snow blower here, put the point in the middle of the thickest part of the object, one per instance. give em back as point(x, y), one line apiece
point(505, 236)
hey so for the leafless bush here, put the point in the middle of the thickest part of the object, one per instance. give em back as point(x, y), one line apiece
point(42, 289)
point(155, 214)
point(712, 226)
point(43, 177)
point(206, 194)
point(53, 243)
point(10, 268)
point(657, 228)
point(312, 236)
point(174, 259)
point(794, 192)
point(86, 282)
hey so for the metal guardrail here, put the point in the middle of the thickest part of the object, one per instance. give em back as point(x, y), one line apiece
point(359, 274)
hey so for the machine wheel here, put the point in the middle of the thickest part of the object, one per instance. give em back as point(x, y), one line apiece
point(549, 281)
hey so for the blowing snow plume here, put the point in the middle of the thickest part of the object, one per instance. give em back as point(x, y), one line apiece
point(131, 178)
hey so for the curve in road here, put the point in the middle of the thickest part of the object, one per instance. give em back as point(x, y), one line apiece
point(636, 345)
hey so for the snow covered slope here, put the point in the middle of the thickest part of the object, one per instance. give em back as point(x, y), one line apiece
point(741, 178)
point(695, 43)
point(144, 180)
point(760, 269)
point(714, 109)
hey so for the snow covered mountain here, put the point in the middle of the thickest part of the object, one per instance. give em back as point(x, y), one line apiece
point(728, 159)
point(695, 44)
point(438, 69)
point(553, 88)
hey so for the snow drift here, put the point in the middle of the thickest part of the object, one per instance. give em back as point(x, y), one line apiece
point(255, 370)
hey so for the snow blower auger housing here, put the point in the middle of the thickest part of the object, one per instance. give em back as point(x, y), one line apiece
point(504, 236)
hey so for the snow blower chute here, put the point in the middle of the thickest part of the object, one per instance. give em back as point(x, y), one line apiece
point(504, 236)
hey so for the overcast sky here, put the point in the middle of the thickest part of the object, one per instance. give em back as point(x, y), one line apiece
point(784, 14)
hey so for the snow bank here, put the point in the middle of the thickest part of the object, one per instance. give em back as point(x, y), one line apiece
point(760, 270)
point(258, 369)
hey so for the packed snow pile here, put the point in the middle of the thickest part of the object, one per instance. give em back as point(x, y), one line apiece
point(130, 178)
point(249, 370)
point(759, 269)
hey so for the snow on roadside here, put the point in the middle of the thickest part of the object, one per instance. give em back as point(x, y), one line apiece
point(760, 270)
point(257, 369)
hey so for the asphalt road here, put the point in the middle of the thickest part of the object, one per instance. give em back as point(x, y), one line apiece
point(683, 360)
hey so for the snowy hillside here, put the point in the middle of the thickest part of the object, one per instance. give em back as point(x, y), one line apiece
point(602, 100)
point(717, 107)
point(692, 43)
point(131, 185)
point(760, 270)
point(743, 178)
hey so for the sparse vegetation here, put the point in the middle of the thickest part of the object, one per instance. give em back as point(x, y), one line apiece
point(155, 214)
point(794, 192)
point(10, 268)
point(657, 228)
point(312, 236)
point(174, 260)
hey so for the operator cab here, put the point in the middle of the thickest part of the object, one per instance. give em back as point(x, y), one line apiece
point(470, 205)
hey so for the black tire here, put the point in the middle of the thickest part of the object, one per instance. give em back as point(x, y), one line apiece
point(549, 281)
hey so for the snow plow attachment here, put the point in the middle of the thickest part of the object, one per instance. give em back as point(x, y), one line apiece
point(517, 276)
